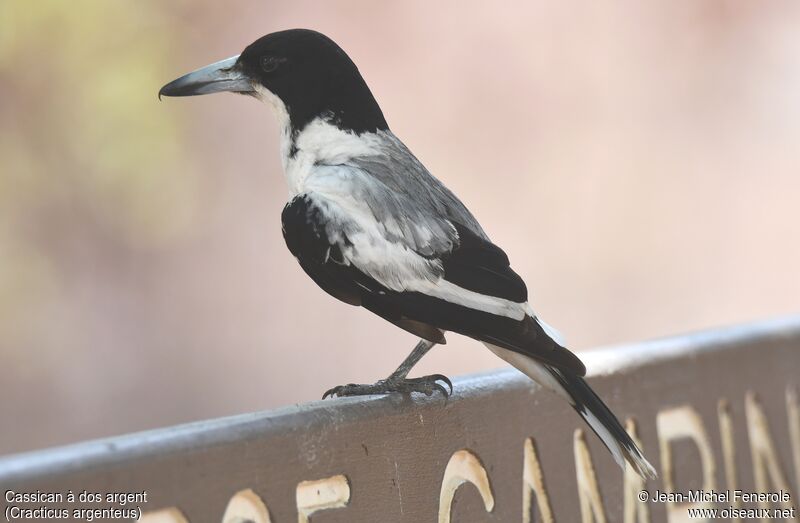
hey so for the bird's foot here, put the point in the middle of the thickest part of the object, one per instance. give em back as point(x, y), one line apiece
point(426, 385)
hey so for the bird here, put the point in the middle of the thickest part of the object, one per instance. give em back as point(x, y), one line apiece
point(374, 228)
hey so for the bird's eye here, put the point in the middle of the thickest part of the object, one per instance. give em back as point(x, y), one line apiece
point(270, 63)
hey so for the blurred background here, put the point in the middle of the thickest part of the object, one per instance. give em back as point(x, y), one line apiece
point(637, 161)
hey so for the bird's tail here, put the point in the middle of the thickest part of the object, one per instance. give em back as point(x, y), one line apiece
point(603, 422)
point(586, 403)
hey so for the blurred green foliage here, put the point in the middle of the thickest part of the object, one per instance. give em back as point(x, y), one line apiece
point(88, 163)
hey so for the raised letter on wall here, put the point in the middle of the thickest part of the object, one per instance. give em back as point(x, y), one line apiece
point(793, 413)
point(246, 507)
point(463, 467)
point(728, 449)
point(588, 493)
point(321, 494)
point(533, 483)
point(674, 424)
point(635, 511)
point(762, 451)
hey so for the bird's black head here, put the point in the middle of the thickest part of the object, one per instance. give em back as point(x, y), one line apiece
point(305, 70)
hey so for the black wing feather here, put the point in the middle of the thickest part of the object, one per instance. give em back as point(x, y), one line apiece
point(481, 266)
point(474, 264)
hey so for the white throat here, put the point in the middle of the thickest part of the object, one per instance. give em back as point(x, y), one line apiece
point(320, 144)
point(279, 108)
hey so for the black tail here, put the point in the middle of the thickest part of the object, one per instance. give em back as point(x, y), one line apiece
point(603, 422)
point(583, 399)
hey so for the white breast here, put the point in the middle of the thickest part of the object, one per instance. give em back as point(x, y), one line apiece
point(320, 143)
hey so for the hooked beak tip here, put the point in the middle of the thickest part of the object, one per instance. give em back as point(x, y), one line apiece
point(179, 87)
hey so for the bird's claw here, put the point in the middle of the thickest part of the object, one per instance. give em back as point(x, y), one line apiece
point(436, 378)
point(425, 385)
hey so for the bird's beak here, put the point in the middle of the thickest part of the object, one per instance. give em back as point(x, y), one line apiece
point(214, 78)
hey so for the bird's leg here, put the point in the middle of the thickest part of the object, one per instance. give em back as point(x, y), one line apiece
point(398, 380)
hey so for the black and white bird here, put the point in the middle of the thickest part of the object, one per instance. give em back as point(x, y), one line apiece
point(372, 227)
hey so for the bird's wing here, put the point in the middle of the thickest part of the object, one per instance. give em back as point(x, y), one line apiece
point(397, 169)
point(391, 251)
